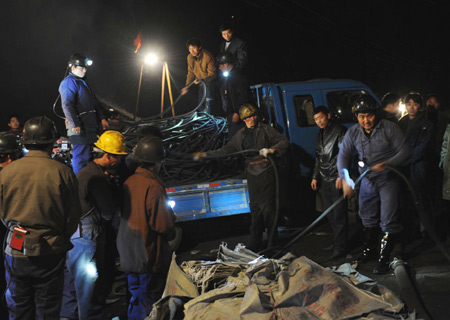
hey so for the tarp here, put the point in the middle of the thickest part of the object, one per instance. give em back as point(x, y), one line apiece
point(251, 287)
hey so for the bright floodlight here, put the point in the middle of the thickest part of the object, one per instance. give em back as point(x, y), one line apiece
point(89, 62)
point(151, 59)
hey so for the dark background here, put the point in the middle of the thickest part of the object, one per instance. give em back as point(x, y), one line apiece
point(397, 46)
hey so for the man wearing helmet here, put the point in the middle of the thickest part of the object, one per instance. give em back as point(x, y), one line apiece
point(40, 227)
point(234, 91)
point(86, 261)
point(146, 226)
point(81, 110)
point(260, 174)
point(379, 143)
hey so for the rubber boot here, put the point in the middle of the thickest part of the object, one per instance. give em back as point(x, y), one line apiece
point(370, 246)
point(387, 244)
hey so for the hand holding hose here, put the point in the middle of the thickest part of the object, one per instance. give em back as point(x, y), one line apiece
point(198, 155)
point(266, 151)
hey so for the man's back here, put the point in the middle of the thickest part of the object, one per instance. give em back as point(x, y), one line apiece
point(42, 195)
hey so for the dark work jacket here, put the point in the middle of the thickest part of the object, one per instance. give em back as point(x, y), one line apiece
point(327, 150)
point(420, 133)
point(265, 136)
point(238, 48)
point(81, 109)
point(234, 91)
point(98, 199)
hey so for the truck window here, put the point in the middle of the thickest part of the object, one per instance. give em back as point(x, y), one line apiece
point(304, 109)
point(340, 104)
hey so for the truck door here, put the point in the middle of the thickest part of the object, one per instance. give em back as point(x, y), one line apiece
point(299, 107)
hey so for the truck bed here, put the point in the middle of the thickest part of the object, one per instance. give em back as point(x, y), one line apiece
point(209, 200)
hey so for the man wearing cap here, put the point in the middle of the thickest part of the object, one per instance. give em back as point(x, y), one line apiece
point(378, 143)
point(98, 197)
point(81, 110)
point(147, 224)
point(260, 175)
point(39, 205)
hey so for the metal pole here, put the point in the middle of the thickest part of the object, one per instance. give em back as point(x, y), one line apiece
point(169, 87)
point(162, 89)
point(139, 92)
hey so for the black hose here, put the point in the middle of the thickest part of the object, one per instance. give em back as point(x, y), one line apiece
point(313, 224)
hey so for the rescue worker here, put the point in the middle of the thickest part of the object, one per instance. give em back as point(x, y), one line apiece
point(378, 143)
point(201, 66)
point(419, 132)
point(234, 91)
point(326, 179)
point(82, 111)
point(39, 204)
point(98, 196)
point(236, 46)
point(259, 171)
point(9, 151)
point(146, 226)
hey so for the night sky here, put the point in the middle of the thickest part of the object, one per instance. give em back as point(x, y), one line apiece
point(397, 46)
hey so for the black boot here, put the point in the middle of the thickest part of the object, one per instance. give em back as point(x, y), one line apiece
point(370, 246)
point(387, 244)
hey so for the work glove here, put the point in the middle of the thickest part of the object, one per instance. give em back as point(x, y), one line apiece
point(265, 151)
point(198, 155)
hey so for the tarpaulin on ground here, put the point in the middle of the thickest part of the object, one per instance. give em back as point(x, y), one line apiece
point(251, 287)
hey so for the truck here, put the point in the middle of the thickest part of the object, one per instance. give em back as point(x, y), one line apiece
point(289, 108)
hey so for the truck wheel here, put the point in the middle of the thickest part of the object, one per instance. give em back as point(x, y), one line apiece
point(174, 244)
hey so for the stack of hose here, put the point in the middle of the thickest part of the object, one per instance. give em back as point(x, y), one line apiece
point(182, 136)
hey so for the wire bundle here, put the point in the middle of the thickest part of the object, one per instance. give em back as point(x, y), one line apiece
point(182, 136)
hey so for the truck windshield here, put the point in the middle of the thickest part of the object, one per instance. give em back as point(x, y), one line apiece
point(340, 104)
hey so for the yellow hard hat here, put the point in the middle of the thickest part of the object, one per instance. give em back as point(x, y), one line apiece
point(111, 142)
point(246, 110)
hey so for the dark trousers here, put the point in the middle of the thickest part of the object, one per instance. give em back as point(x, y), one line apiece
point(86, 264)
point(261, 189)
point(378, 203)
point(145, 290)
point(338, 217)
point(80, 156)
point(35, 286)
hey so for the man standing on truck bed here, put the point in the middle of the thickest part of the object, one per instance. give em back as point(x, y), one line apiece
point(260, 174)
point(326, 178)
point(378, 143)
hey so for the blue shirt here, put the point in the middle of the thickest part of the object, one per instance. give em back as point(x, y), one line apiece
point(386, 143)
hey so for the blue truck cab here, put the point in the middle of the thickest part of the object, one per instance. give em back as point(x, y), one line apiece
point(288, 107)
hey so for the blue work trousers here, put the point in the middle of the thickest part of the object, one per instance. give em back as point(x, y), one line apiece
point(35, 286)
point(145, 290)
point(86, 264)
point(378, 204)
point(80, 156)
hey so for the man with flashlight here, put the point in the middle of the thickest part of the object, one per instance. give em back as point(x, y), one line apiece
point(87, 261)
point(260, 174)
point(378, 143)
point(234, 91)
point(81, 110)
